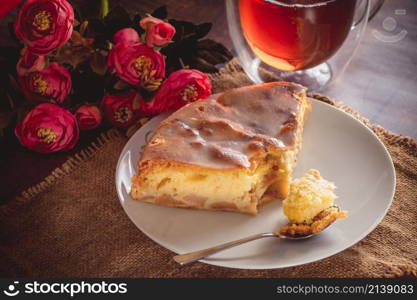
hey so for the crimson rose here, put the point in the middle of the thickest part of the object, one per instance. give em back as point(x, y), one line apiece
point(118, 108)
point(88, 117)
point(48, 128)
point(44, 25)
point(51, 83)
point(181, 87)
point(137, 64)
point(126, 36)
point(29, 63)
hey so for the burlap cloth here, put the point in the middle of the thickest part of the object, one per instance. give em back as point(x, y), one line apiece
point(72, 225)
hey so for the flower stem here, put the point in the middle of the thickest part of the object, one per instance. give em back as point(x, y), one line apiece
point(104, 8)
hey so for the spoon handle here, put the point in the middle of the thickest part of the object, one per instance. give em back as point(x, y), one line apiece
point(187, 258)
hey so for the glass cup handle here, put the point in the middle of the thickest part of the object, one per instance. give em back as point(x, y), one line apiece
point(375, 6)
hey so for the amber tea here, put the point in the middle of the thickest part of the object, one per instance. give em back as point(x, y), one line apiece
point(296, 34)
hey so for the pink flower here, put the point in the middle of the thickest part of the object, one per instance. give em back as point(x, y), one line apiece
point(29, 63)
point(88, 117)
point(148, 21)
point(52, 83)
point(44, 25)
point(181, 87)
point(48, 128)
point(137, 64)
point(126, 36)
point(118, 108)
point(158, 32)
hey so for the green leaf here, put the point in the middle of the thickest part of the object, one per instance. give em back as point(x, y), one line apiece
point(88, 85)
point(211, 45)
point(212, 52)
point(160, 12)
point(203, 55)
point(187, 47)
point(202, 65)
point(118, 18)
point(184, 29)
point(135, 25)
point(211, 57)
point(96, 29)
point(98, 63)
point(77, 16)
point(118, 13)
point(202, 30)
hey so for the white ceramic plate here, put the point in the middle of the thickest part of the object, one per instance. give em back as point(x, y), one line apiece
point(339, 146)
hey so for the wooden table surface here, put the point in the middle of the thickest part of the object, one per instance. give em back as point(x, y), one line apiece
point(380, 83)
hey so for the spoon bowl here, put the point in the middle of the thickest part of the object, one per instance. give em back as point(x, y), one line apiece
point(187, 258)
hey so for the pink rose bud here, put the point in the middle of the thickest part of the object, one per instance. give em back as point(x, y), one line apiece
point(181, 87)
point(52, 83)
point(48, 128)
point(88, 117)
point(158, 32)
point(118, 108)
point(29, 63)
point(126, 36)
point(44, 25)
point(137, 64)
point(148, 21)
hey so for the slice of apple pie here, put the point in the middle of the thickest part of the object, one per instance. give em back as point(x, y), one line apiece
point(230, 152)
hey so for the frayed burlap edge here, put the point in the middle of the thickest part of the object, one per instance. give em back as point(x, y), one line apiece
point(65, 169)
point(402, 271)
point(68, 166)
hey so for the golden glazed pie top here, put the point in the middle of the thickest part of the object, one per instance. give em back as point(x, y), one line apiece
point(227, 131)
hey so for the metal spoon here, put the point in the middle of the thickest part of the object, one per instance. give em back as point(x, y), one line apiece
point(187, 258)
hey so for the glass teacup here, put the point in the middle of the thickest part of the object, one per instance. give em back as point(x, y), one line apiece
point(306, 41)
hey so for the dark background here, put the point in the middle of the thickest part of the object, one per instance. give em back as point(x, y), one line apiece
point(380, 83)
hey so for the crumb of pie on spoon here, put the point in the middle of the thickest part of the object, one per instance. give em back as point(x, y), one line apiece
point(310, 205)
